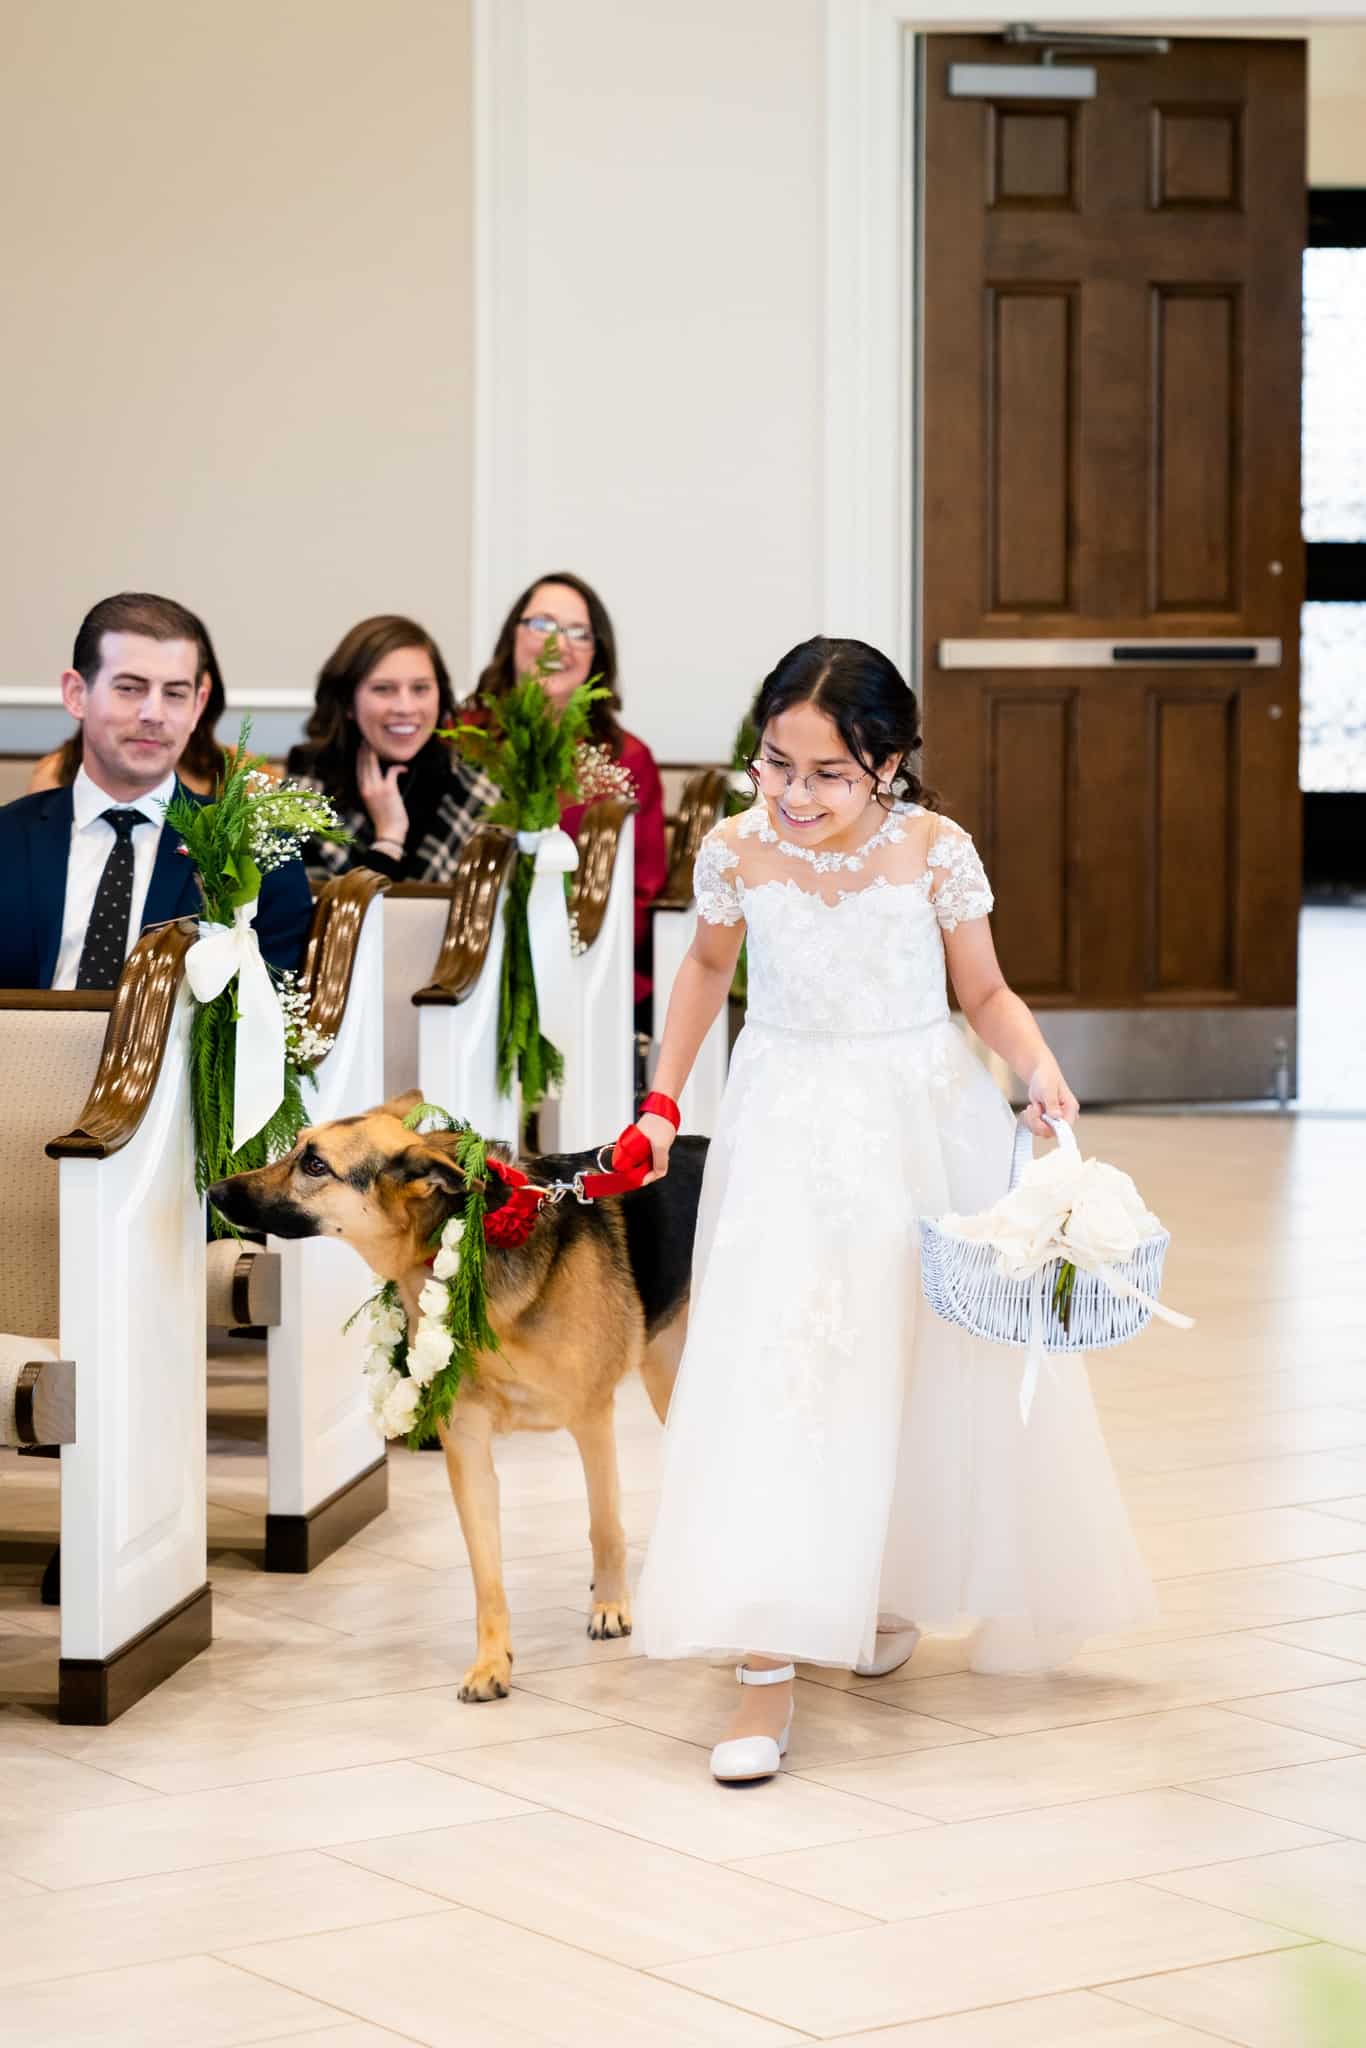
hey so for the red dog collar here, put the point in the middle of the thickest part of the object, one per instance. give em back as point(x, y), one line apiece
point(632, 1161)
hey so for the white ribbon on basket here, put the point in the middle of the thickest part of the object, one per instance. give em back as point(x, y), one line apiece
point(220, 952)
point(555, 855)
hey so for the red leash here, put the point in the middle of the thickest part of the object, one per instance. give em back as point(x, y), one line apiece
point(632, 1161)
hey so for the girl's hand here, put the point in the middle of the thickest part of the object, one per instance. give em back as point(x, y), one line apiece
point(661, 1135)
point(1049, 1094)
point(379, 792)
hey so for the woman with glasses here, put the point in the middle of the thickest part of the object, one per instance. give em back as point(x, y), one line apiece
point(585, 648)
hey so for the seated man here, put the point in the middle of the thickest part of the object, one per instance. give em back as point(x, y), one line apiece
point(89, 866)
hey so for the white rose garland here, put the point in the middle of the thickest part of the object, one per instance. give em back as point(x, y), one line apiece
point(398, 1366)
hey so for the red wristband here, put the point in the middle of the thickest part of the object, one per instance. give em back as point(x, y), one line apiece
point(662, 1105)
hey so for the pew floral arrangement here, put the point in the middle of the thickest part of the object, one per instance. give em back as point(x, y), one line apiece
point(413, 1376)
point(540, 758)
point(252, 1045)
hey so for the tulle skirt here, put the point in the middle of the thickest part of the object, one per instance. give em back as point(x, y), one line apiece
point(833, 1448)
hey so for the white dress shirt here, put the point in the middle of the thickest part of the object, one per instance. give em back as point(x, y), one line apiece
point(92, 841)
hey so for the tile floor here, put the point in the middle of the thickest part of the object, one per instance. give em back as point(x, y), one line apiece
point(305, 1837)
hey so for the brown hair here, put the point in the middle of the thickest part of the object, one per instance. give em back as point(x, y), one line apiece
point(156, 618)
point(332, 737)
point(501, 674)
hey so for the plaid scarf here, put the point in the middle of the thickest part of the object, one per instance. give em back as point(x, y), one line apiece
point(446, 798)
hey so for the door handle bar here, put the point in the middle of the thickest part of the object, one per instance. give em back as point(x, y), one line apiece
point(1167, 653)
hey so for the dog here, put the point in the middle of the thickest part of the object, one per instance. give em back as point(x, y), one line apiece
point(597, 1290)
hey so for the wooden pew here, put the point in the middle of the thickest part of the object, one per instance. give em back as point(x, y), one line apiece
point(103, 1263)
point(326, 1471)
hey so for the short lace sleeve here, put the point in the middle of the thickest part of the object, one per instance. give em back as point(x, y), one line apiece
point(961, 889)
point(718, 899)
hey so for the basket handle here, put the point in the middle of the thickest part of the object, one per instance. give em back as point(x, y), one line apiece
point(1024, 1144)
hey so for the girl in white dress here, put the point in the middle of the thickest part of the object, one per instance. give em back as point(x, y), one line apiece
point(837, 1456)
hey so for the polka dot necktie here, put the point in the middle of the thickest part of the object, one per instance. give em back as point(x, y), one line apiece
point(106, 937)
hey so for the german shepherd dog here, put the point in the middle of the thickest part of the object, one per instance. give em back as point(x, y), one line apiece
point(596, 1290)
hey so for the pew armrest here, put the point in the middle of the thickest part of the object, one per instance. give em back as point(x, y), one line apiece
point(486, 861)
point(701, 805)
point(599, 837)
point(333, 937)
point(135, 1042)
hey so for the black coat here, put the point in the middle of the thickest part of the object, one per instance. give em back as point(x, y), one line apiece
point(35, 845)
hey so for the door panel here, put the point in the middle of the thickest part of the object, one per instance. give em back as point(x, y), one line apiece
point(1111, 452)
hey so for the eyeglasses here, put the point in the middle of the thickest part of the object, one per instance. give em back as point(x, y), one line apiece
point(775, 778)
point(541, 624)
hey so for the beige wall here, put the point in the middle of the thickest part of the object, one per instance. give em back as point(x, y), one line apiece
point(237, 330)
point(1337, 106)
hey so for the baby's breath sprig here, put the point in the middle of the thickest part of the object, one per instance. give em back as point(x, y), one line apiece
point(252, 825)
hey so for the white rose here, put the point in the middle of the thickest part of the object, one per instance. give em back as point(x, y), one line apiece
point(432, 1300)
point(400, 1408)
point(380, 1387)
point(446, 1264)
point(429, 1354)
point(386, 1327)
point(1109, 1218)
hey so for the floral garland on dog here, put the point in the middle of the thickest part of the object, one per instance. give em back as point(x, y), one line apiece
point(252, 1045)
point(414, 1376)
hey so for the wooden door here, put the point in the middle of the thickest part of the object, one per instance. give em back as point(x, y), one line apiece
point(1111, 348)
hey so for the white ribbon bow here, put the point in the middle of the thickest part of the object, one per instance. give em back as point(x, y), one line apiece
point(548, 929)
point(220, 952)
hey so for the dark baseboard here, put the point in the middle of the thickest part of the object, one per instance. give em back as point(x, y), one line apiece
point(296, 1543)
point(93, 1691)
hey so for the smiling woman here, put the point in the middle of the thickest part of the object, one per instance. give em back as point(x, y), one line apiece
point(408, 802)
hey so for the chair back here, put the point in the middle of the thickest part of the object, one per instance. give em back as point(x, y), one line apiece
point(50, 1045)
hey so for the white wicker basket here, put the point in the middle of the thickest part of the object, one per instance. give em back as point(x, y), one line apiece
point(963, 1284)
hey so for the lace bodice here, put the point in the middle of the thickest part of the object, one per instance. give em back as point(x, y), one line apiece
point(852, 948)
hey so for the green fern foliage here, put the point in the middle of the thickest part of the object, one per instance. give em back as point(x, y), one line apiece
point(530, 750)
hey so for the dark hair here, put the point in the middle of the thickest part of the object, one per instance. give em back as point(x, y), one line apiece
point(501, 674)
point(332, 737)
point(156, 618)
point(873, 710)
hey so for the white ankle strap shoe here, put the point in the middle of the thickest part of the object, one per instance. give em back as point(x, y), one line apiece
point(753, 1756)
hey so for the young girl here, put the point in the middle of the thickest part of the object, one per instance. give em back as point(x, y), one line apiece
point(833, 1448)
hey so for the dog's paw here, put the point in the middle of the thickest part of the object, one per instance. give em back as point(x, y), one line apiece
point(487, 1680)
point(610, 1618)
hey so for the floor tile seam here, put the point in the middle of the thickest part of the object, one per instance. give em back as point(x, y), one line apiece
point(1229, 1706)
point(214, 1955)
point(1272, 1564)
point(1154, 1882)
point(1096, 1986)
point(895, 1706)
point(1195, 2026)
point(345, 2012)
point(559, 1941)
point(625, 1834)
point(1191, 1785)
point(1147, 1877)
point(973, 1735)
point(1279, 1507)
point(365, 1764)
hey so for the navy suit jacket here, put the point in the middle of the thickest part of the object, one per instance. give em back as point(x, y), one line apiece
point(35, 844)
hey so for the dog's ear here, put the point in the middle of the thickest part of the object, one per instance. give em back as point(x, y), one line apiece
point(400, 1105)
point(423, 1160)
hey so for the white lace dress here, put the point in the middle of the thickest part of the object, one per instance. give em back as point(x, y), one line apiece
point(833, 1447)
